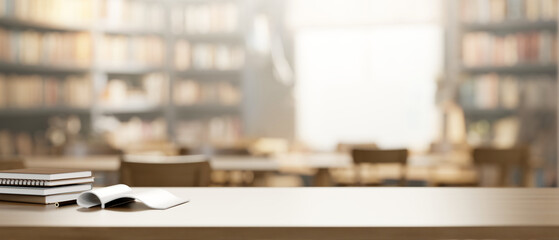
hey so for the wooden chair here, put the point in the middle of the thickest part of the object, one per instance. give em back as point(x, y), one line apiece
point(165, 171)
point(504, 160)
point(371, 156)
point(347, 147)
point(11, 163)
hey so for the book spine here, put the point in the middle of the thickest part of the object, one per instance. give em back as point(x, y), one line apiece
point(22, 182)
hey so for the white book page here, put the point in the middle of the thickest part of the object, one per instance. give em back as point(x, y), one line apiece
point(157, 198)
point(102, 196)
point(120, 194)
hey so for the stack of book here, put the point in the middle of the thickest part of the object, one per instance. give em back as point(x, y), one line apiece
point(45, 186)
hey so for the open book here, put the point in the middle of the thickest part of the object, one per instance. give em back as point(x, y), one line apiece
point(121, 194)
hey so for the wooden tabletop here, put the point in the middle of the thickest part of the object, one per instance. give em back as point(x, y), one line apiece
point(304, 213)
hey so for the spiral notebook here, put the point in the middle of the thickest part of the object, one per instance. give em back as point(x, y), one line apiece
point(47, 174)
point(44, 183)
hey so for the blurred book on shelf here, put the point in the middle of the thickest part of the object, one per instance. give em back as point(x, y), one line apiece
point(119, 133)
point(191, 92)
point(50, 141)
point(132, 14)
point(505, 132)
point(496, 11)
point(107, 62)
point(45, 48)
point(508, 88)
point(148, 90)
point(487, 49)
point(35, 91)
point(492, 91)
point(205, 18)
point(59, 12)
point(206, 56)
point(216, 130)
point(126, 51)
point(182, 55)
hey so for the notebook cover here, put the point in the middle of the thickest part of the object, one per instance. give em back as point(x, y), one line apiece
point(44, 183)
point(43, 173)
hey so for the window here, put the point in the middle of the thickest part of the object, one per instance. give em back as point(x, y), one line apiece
point(364, 78)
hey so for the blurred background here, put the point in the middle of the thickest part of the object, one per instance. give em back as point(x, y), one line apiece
point(286, 93)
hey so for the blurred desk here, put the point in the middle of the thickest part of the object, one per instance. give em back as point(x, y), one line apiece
point(112, 163)
point(433, 169)
point(303, 213)
point(106, 167)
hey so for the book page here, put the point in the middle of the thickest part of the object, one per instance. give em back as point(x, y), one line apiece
point(102, 196)
point(121, 194)
point(157, 198)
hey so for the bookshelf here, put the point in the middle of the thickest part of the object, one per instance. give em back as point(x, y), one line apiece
point(134, 54)
point(502, 67)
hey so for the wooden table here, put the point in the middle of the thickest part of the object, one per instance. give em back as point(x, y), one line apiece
point(303, 213)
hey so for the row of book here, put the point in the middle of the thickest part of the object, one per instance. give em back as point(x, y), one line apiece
point(120, 134)
point(34, 91)
point(205, 18)
point(191, 92)
point(147, 90)
point(135, 14)
point(63, 12)
point(216, 130)
point(208, 56)
point(492, 91)
point(494, 11)
point(60, 131)
point(49, 48)
point(485, 49)
point(122, 50)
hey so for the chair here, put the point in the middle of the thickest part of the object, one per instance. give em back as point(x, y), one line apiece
point(371, 156)
point(165, 171)
point(11, 163)
point(152, 147)
point(504, 160)
point(347, 147)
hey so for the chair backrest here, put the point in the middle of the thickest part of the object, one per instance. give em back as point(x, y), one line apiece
point(236, 151)
point(165, 171)
point(11, 163)
point(379, 156)
point(504, 160)
point(347, 147)
point(375, 156)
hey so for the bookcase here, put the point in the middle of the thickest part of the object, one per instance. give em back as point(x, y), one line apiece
point(502, 68)
point(135, 69)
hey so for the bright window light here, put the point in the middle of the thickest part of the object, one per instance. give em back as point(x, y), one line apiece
point(368, 83)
